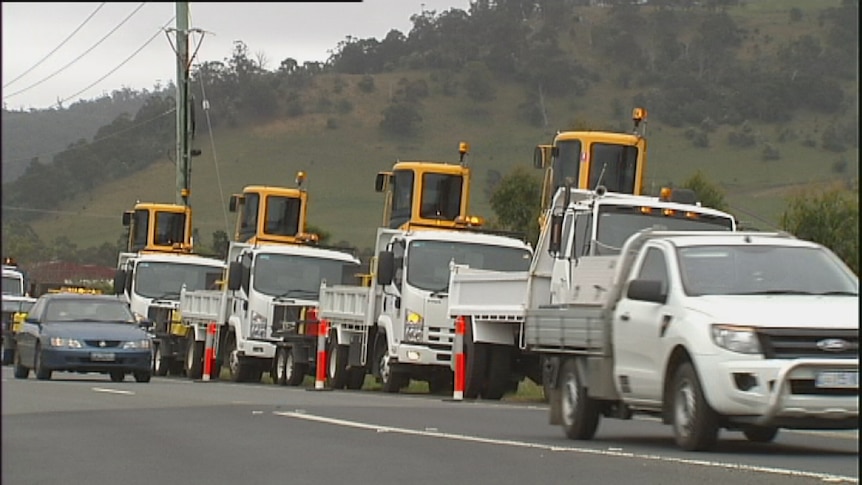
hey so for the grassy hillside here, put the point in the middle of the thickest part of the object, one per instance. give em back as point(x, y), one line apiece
point(342, 153)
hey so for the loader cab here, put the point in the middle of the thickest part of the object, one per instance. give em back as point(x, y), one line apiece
point(153, 227)
point(427, 194)
point(589, 159)
point(267, 214)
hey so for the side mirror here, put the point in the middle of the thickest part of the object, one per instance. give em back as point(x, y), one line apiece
point(119, 281)
point(127, 218)
point(234, 276)
point(646, 290)
point(380, 182)
point(538, 158)
point(385, 267)
point(231, 206)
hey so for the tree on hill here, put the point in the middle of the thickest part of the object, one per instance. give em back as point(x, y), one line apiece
point(516, 202)
point(829, 217)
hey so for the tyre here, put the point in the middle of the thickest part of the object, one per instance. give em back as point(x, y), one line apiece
point(760, 434)
point(390, 381)
point(336, 366)
point(20, 371)
point(194, 358)
point(142, 376)
point(499, 372)
point(42, 373)
point(355, 378)
point(475, 365)
point(160, 365)
point(117, 375)
point(279, 367)
point(240, 369)
point(580, 413)
point(695, 424)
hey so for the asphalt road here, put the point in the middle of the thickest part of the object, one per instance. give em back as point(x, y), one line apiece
point(85, 429)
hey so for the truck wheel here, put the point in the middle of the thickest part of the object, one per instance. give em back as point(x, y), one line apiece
point(194, 358)
point(355, 378)
point(760, 434)
point(160, 365)
point(21, 372)
point(580, 413)
point(476, 365)
point(499, 372)
point(42, 373)
point(336, 366)
point(288, 372)
point(240, 369)
point(389, 380)
point(695, 424)
point(117, 375)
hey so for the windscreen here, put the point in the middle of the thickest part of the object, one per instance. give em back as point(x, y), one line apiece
point(89, 310)
point(163, 280)
point(297, 276)
point(613, 166)
point(761, 269)
point(428, 261)
point(618, 223)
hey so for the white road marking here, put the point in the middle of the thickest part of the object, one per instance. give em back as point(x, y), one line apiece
point(113, 391)
point(610, 452)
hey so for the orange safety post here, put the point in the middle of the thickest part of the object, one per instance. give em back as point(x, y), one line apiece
point(209, 351)
point(322, 331)
point(458, 350)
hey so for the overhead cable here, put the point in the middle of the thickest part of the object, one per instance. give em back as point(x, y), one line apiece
point(56, 48)
point(7, 96)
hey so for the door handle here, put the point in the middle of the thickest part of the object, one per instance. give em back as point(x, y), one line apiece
point(625, 317)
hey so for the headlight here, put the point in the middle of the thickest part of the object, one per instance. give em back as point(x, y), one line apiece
point(65, 342)
point(736, 339)
point(413, 327)
point(137, 344)
point(258, 325)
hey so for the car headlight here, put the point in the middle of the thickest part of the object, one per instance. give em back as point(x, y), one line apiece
point(413, 327)
point(142, 344)
point(736, 339)
point(66, 342)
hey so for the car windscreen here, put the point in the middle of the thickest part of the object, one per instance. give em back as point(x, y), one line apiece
point(763, 269)
point(89, 310)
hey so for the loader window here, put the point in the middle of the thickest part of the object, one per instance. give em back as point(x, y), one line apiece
point(139, 229)
point(567, 163)
point(248, 217)
point(170, 228)
point(614, 167)
point(282, 215)
point(441, 196)
point(402, 197)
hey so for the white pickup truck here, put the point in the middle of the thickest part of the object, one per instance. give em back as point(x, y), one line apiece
point(743, 331)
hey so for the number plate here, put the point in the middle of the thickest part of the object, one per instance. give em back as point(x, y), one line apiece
point(102, 356)
point(840, 380)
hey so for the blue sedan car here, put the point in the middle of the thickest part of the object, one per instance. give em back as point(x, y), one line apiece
point(82, 333)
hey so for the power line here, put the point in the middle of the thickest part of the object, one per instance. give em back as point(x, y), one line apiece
point(77, 58)
point(58, 47)
point(97, 81)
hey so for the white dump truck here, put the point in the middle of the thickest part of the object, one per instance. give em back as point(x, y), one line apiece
point(707, 330)
point(578, 225)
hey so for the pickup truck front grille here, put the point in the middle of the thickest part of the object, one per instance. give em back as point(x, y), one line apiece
point(824, 343)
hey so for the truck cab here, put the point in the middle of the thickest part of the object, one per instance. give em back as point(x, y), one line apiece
point(156, 227)
point(269, 214)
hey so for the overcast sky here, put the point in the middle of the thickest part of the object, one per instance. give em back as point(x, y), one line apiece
point(72, 51)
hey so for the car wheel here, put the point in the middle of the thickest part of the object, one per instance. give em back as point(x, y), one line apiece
point(580, 413)
point(42, 373)
point(695, 424)
point(117, 375)
point(760, 434)
point(142, 376)
point(160, 365)
point(21, 372)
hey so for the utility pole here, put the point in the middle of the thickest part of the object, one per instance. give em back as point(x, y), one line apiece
point(183, 120)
